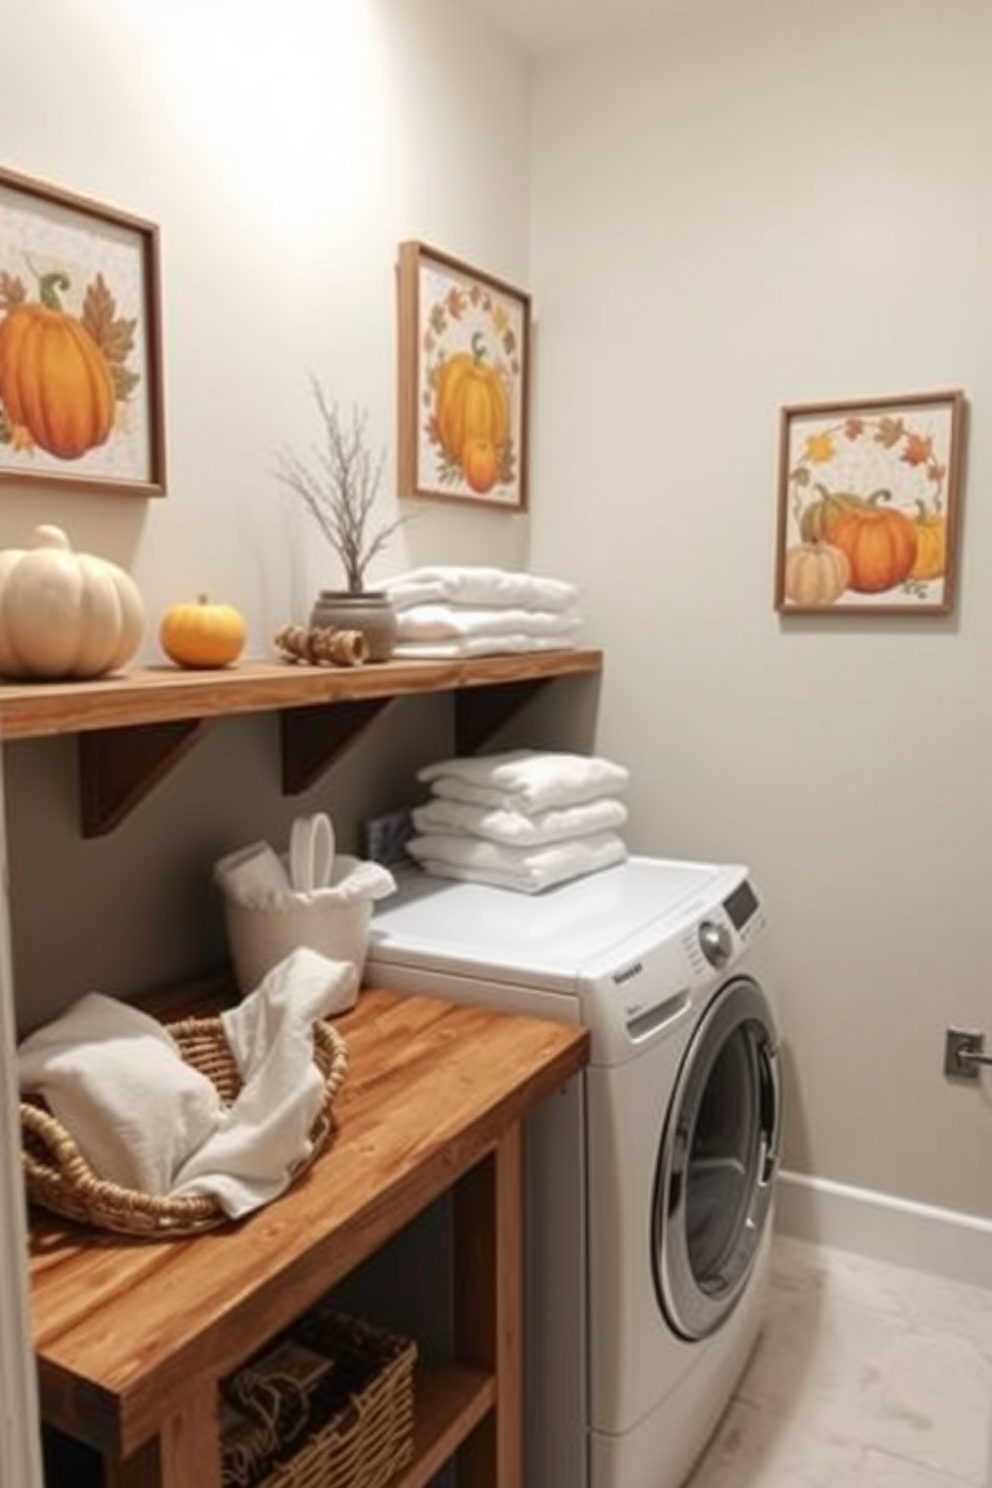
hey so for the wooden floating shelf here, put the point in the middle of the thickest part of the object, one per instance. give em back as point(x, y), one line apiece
point(135, 726)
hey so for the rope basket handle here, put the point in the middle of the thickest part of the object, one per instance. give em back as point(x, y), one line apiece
point(63, 1154)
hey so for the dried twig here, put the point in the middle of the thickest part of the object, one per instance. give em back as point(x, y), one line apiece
point(340, 488)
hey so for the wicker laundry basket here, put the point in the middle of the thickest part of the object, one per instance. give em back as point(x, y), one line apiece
point(59, 1178)
point(355, 1429)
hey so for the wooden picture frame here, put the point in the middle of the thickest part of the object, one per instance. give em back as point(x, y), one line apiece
point(868, 500)
point(81, 402)
point(464, 374)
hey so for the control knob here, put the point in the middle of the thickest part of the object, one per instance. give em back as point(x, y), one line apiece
point(715, 942)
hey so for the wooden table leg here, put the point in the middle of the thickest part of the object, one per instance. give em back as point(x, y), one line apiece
point(186, 1455)
point(190, 1444)
point(488, 1302)
point(142, 1470)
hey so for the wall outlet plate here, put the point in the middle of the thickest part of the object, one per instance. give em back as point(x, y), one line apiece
point(385, 837)
point(963, 1054)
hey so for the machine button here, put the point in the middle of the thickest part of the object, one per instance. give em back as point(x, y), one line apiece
point(716, 943)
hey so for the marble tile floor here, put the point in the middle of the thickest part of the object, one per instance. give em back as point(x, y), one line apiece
point(866, 1375)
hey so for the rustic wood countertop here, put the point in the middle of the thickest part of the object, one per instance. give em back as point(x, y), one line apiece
point(129, 1333)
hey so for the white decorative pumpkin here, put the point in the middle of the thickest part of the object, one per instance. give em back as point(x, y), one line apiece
point(65, 614)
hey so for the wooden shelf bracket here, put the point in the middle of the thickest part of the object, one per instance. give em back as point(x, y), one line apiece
point(119, 766)
point(313, 737)
point(480, 711)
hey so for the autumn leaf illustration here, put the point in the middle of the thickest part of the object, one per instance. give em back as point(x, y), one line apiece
point(889, 432)
point(919, 449)
point(112, 333)
point(438, 320)
point(501, 319)
point(854, 428)
point(936, 472)
point(125, 381)
point(819, 449)
point(13, 291)
point(799, 476)
point(456, 302)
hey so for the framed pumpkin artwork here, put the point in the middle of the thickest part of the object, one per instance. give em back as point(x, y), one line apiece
point(80, 352)
point(868, 505)
point(464, 349)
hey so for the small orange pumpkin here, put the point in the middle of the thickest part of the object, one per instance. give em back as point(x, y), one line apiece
point(880, 543)
point(54, 379)
point(480, 464)
point(202, 634)
point(931, 545)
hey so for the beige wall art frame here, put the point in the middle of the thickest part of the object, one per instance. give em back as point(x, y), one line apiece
point(81, 401)
point(868, 505)
point(464, 373)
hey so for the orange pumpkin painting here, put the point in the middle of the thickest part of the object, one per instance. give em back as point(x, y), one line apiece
point(868, 497)
point(63, 376)
point(471, 376)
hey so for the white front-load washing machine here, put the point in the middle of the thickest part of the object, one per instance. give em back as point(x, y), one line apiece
point(650, 1177)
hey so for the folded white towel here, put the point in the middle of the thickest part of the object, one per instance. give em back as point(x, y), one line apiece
point(510, 868)
point(514, 828)
point(480, 645)
point(263, 1137)
point(472, 585)
point(527, 780)
point(118, 1083)
point(440, 622)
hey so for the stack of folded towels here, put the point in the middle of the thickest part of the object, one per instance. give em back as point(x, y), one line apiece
point(524, 820)
point(451, 611)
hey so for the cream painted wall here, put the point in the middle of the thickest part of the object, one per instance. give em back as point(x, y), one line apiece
point(284, 151)
point(774, 203)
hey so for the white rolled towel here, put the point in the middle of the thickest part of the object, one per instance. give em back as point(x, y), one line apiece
point(527, 871)
point(515, 828)
point(526, 780)
point(468, 584)
point(480, 645)
point(441, 622)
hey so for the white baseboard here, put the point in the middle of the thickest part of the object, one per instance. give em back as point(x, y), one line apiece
point(941, 1241)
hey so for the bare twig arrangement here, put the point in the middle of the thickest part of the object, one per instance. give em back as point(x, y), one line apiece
point(340, 488)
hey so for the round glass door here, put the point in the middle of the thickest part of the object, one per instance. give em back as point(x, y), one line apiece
point(716, 1166)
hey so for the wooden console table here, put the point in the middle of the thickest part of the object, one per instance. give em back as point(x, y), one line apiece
point(132, 1337)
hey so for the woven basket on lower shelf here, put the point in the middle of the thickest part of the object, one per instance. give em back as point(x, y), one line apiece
point(357, 1426)
point(58, 1177)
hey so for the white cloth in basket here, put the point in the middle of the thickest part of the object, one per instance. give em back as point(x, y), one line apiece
point(117, 1082)
point(144, 1118)
point(257, 1146)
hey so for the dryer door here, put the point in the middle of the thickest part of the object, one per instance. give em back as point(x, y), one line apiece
point(717, 1163)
